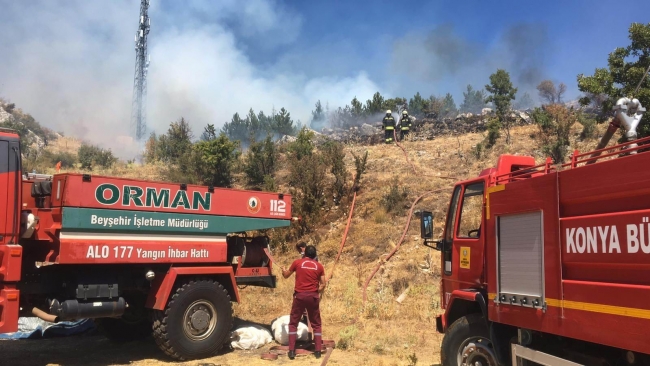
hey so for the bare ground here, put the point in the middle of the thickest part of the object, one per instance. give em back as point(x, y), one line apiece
point(91, 350)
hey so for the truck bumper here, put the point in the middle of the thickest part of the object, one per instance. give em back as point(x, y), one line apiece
point(439, 324)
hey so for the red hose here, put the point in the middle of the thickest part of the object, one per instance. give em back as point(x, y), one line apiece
point(345, 236)
point(406, 228)
point(404, 151)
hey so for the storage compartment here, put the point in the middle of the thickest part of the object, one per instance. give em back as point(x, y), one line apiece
point(520, 268)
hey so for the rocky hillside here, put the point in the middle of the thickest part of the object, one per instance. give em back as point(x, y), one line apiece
point(34, 136)
point(426, 128)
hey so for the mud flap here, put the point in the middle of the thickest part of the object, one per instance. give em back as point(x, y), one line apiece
point(501, 336)
point(439, 324)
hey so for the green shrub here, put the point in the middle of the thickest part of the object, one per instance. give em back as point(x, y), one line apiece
point(360, 166)
point(478, 150)
point(261, 163)
point(554, 122)
point(67, 159)
point(346, 337)
point(494, 132)
point(303, 145)
point(91, 156)
point(334, 157)
point(588, 126)
point(395, 198)
point(308, 185)
point(212, 162)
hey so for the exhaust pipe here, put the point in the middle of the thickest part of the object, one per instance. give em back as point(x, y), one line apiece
point(73, 309)
point(45, 316)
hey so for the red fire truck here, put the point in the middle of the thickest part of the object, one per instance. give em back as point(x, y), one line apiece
point(133, 254)
point(550, 264)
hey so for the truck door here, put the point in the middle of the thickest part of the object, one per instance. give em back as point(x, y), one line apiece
point(10, 181)
point(463, 244)
point(6, 210)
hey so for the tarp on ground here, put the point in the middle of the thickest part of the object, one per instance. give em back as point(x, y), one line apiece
point(33, 328)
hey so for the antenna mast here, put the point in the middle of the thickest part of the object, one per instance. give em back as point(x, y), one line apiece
point(138, 107)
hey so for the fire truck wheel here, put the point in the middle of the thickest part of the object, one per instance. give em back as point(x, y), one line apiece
point(195, 322)
point(467, 342)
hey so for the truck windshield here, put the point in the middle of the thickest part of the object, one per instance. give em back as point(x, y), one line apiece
point(471, 212)
point(451, 217)
point(447, 244)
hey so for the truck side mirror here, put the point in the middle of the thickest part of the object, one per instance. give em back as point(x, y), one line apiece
point(426, 225)
point(426, 230)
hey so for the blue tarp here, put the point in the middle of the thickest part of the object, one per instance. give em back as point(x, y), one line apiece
point(32, 328)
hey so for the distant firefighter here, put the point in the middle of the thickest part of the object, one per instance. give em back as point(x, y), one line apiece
point(388, 125)
point(405, 125)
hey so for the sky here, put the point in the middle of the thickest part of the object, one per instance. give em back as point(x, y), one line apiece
point(71, 63)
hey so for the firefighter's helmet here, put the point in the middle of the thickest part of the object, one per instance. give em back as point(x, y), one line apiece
point(388, 112)
point(404, 112)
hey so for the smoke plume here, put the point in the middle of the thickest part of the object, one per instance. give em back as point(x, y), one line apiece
point(444, 56)
point(71, 64)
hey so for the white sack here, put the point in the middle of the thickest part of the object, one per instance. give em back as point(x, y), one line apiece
point(280, 327)
point(250, 338)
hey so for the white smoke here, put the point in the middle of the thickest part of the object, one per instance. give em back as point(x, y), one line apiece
point(70, 64)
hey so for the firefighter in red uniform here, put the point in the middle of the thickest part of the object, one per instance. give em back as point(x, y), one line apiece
point(310, 283)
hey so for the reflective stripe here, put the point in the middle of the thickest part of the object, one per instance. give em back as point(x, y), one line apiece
point(594, 307)
point(390, 127)
point(318, 334)
point(293, 332)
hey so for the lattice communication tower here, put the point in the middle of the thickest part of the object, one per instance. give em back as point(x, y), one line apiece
point(138, 108)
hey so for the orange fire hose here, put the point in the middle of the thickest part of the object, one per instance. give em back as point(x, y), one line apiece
point(345, 236)
point(404, 151)
point(406, 228)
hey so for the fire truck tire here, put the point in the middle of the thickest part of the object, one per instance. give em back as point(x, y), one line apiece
point(466, 342)
point(196, 321)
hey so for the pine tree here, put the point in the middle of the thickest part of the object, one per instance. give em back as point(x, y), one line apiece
point(318, 116)
point(473, 101)
point(626, 68)
point(501, 93)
